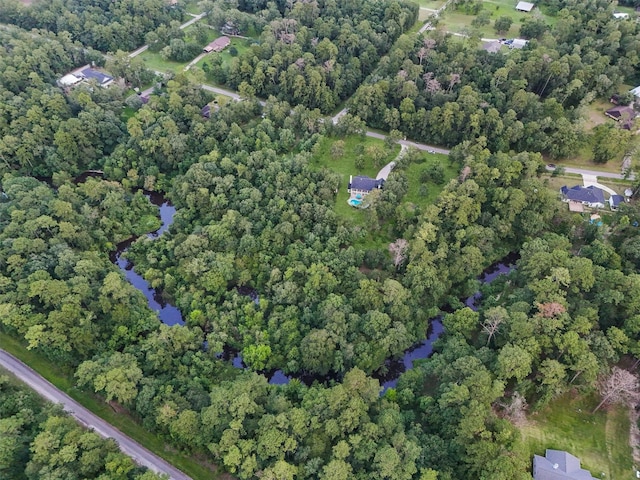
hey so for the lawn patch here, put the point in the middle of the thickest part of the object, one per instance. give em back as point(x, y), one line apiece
point(600, 440)
point(425, 196)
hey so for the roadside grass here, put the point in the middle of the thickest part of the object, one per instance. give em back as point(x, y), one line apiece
point(584, 159)
point(345, 166)
point(62, 379)
point(600, 440)
point(413, 172)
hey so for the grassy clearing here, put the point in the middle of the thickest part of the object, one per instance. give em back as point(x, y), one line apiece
point(62, 379)
point(595, 113)
point(432, 4)
point(433, 190)
point(345, 166)
point(458, 21)
point(600, 441)
point(154, 61)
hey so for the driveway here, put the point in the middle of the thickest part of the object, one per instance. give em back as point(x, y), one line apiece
point(590, 179)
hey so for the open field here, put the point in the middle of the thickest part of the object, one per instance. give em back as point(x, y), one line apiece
point(123, 422)
point(459, 21)
point(345, 166)
point(600, 440)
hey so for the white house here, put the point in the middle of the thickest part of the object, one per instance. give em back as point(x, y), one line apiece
point(518, 43)
point(620, 15)
point(636, 91)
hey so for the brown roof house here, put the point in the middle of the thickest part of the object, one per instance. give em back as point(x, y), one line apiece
point(624, 114)
point(217, 45)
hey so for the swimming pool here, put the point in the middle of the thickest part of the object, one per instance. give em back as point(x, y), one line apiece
point(354, 202)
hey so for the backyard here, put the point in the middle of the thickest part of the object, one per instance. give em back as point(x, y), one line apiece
point(345, 165)
point(600, 440)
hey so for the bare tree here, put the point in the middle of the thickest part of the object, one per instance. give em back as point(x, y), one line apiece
point(493, 318)
point(399, 251)
point(516, 409)
point(620, 385)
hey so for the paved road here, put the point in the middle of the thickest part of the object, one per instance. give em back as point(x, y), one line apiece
point(597, 173)
point(143, 48)
point(136, 451)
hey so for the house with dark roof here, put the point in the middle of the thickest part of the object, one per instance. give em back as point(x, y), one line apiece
point(615, 200)
point(217, 45)
point(363, 185)
point(101, 79)
point(590, 196)
point(620, 112)
point(558, 465)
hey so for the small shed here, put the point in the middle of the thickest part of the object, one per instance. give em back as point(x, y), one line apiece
point(576, 207)
point(524, 6)
point(217, 45)
point(518, 43)
point(69, 80)
point(620, 15)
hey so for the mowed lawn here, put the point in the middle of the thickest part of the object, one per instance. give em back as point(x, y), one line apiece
point(413, 172)
point(344, 166)
point(458, 21)
point(600, 440)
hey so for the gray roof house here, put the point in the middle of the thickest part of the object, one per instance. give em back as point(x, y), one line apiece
point(364, 184)
point(524, 6)
point(590, 196)
point(558, 465)
point(615, 200)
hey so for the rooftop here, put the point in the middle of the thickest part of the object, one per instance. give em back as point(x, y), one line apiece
point(525, 6)
point(102, 78)
point(217, 45)
point(558, 465)
point(365, 183)
point(590, 194)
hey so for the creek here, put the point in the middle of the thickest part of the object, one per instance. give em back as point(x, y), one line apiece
point(388, 376)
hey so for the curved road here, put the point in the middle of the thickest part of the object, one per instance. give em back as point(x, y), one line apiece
point(137, 452)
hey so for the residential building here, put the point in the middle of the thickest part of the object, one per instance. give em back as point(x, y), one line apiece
point(558, 465)
point(217, 45)
point(590, 196)
point(363, 185)
point(85, 74)
point(615, 201)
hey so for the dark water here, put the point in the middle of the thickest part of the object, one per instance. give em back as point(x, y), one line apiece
point(89, 173)
point(166, 312)
point(388, 376)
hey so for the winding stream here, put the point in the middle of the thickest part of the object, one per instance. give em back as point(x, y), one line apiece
point(170, 315)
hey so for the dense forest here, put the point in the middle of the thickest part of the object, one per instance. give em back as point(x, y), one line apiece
point(319, 52)
point(38, 440)
point(445, 90)
point(255, 212)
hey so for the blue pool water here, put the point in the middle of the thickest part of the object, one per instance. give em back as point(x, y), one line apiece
point(354, 202)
